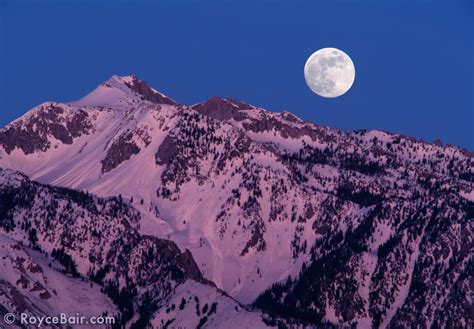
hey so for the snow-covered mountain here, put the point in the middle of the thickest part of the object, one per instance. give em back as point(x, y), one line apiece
point(365, 223)
point(65, 251)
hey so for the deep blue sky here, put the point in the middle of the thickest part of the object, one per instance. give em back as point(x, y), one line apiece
point(414, 59)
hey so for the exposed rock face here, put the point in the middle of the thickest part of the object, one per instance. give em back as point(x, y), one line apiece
point(33, 135)
point(78, 124)
point(124, 147)
point(167, 151)
point(223, 109)
point(142, 88)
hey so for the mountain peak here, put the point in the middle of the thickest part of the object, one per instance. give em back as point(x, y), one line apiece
point(223, 108)
point(143, 89)
point(113, 91)
point(117, 81)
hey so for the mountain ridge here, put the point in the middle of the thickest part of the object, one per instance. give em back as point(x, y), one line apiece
point(132, 84)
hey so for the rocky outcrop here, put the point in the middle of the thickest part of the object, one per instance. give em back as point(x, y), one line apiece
point(167, 151)
point(121, 150)
point(124, 147)
point(149, 94)
point(223, 109)
point(35, 133)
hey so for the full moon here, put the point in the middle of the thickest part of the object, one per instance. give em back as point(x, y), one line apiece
point(329, 72)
